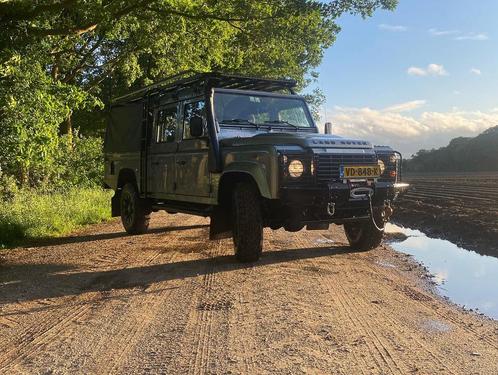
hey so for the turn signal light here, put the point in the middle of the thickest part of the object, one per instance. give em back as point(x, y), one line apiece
point(392, 174)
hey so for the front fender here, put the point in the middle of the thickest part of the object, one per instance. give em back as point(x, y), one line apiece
point(259, 173)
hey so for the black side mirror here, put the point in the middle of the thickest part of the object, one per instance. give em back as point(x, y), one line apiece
point(196, 126)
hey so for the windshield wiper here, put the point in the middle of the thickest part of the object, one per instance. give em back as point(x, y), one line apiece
point(239, 121)
point(280, 122)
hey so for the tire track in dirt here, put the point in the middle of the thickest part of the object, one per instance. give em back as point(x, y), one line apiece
point(395, 331)
point(378, 352)
point(292, 312)
point(35, 339)
point(380, 355)
point(132, 323)
point(382, 341)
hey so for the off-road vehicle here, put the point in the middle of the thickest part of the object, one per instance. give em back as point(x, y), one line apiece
point(247, 153)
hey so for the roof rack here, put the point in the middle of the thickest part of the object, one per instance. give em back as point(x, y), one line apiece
point(219, 80)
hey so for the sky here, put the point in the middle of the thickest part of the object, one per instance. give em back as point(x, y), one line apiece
point(414, 78)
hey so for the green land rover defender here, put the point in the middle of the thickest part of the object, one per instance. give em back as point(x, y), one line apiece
point(247, 153)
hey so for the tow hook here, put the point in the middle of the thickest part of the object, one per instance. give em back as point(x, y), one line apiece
point(388, 211)
point(331, 209)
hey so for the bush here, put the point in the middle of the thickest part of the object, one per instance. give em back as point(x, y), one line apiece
point(8, 187)
point(32, 214)
point(82, 165)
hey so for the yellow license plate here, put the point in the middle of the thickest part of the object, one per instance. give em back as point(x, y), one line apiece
point(370, 171)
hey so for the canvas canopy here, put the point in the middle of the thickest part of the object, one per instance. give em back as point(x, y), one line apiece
point(124, 128)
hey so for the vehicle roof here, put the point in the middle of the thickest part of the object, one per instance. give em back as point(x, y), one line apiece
point(209, 80)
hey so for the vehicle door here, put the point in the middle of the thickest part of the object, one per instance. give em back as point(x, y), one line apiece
point(163, 145)
point(192, 167)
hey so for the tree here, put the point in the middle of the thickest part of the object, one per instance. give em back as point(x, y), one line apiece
point(102, 48)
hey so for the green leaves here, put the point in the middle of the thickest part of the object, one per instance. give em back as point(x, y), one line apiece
point(33, 106)
point(63, 58)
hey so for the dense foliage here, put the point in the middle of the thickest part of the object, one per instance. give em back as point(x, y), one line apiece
point(62, 60)
point(461, 155)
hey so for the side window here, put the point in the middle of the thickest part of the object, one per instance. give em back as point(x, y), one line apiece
point(190, 110)
point(166, 124)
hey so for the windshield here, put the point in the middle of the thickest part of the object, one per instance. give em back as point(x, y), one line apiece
point(256, 110)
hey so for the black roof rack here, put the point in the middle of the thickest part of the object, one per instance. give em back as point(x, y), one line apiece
point(219, 80)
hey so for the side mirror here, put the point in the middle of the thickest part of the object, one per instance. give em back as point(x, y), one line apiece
point(196, 126)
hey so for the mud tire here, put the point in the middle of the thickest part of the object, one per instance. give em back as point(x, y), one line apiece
point(363, 236)
point(247, 223)
point(135, 212)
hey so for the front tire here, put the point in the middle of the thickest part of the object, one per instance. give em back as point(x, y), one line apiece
point(247, 223)
point(363, 236)
point(135, 212)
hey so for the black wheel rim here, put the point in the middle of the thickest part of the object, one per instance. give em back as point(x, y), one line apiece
point(355, 233)
point(127, 209)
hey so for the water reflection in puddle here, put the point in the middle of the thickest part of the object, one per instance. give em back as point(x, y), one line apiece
point(467, 278)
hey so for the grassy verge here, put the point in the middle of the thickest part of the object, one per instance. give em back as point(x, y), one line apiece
point(31, 214)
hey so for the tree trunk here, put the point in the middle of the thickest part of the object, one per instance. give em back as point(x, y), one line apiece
point(66, 128)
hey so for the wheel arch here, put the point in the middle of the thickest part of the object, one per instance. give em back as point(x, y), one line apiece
point(243, 172)
point(229, 180)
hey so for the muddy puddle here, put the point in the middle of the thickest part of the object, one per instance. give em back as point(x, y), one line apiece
point(465, 277)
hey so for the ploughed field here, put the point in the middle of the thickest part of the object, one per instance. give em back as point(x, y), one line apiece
point(172, 302)
point(460, 207)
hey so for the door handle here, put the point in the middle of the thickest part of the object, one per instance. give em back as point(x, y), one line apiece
point(181, 162)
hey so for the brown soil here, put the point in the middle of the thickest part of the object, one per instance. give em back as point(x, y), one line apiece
point(460, 208)
point(172, 302)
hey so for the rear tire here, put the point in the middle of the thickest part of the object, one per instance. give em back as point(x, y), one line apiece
point(247, 223)
point(135, 212)
point(363, 236)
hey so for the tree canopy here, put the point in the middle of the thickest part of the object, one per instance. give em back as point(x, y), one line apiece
point(66, 57)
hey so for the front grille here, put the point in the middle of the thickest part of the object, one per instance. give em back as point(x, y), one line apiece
point(328, 165)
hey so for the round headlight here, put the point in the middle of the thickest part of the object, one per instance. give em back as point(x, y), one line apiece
point(393, 158)
point(296, 168)
point(382, 166)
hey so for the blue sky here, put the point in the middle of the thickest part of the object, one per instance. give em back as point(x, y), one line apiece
point(415, 77)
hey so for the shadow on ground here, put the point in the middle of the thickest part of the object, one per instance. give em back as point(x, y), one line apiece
point(41, 242)
point(23, 282)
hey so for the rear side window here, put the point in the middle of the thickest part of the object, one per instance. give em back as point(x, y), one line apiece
point(166, 124)
point(191, 110)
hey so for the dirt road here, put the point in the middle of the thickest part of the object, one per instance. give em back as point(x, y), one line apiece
point(172, 302)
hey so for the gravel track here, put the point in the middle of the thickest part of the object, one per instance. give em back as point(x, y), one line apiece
point(172, 302)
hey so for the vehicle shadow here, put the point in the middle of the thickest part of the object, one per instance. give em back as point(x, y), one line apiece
point(19, 283)
point(40, 242)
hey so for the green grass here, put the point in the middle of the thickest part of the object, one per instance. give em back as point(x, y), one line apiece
point(31, 214)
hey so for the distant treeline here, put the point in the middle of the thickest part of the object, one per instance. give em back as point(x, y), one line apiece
point(478, 154)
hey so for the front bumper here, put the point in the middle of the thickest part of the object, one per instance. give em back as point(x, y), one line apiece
point(348, 201)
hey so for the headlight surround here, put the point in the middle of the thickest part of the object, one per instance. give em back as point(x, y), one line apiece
point(295, 168)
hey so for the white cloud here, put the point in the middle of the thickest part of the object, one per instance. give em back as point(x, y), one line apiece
point(473, 36)
point(437, 32)
point(414, 71)
point(409, 133)
point(405, 107)
point(393, 28)
point(476, 71)
point(459, 35)
point(432, 69)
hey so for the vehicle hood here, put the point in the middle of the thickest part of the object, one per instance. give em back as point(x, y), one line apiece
point(304, 140)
